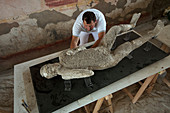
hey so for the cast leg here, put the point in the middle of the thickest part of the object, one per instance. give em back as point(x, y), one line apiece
point(123, 50)
point(135, 19)
point(110, 37)
point(68, 74)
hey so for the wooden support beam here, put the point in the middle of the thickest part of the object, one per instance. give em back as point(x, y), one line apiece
point(164, 79)
point(98, 105)
point(166, 82)
point(152, 84)
point(86, 109)
point(165, 48)
point(128, 93)
point(100, 102)
point(108, 97)
point(142, 89)
point(140, 83)
point(109, 101)
point(110, 105)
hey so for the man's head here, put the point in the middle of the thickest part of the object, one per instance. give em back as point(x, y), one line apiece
point(89, 20)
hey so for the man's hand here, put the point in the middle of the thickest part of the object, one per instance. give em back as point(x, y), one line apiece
point(101, 35)
point(74, 42)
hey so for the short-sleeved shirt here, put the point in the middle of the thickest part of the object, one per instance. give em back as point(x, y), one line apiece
point(79, 26)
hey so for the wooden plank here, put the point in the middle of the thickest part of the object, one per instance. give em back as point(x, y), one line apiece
point(86, 109)
point(165, 48)
point(140, 83)
point(152, 84)
point(166, 82)
point(98, 105)
point(109, 101)
point(108, 96)
point(142, 89)
point(128, 93)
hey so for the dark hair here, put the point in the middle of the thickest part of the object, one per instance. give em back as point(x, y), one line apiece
point(88, 17)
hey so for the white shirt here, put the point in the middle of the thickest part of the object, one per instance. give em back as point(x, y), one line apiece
point(79, 26)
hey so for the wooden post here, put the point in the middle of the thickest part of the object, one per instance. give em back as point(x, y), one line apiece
point(140, 83)
point(166, 82)
point(98, 105)
point(86, 109)
point(100, 102)
point(165, 48)
point(128, 93)
point(164, 79)
point(142, 89)
point(109, 101)
point(152, 84)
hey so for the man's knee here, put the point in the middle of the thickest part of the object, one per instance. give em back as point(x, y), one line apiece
point(95, 36)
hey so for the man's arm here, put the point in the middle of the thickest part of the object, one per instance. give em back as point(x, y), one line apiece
point(74, 42)
point(101, 35)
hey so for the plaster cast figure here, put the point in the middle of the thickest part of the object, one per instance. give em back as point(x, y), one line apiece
point(90, 21)
point(79, 62)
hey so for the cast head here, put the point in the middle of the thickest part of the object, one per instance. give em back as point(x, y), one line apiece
point(50, 70)
point(89, 20)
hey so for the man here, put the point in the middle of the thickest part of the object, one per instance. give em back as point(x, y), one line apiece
point(90, 21)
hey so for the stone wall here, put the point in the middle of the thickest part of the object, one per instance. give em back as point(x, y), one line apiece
point(29, 24)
